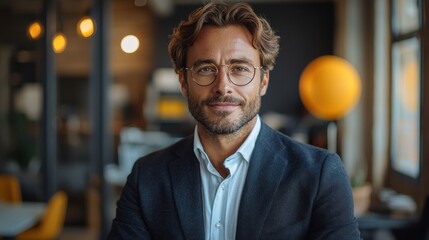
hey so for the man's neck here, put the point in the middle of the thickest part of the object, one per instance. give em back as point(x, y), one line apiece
point(219, 147)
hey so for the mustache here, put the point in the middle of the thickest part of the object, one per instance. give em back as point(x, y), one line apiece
point(223, 99)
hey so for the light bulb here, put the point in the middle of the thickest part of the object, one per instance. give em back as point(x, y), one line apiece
point(130, 44)
point(59, 43)
point(85, 27)
point(35, 30)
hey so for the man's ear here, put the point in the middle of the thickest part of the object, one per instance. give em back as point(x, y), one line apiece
point(264, 82)
point(183, 83)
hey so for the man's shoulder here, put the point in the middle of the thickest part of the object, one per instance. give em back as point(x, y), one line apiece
point(293, 150)
point(278, 139)
point(165, 155)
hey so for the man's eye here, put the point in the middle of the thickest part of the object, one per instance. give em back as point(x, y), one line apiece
point(206, 70)
point(239, 69)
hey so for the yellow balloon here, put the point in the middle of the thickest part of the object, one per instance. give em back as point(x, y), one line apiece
point(329, 87)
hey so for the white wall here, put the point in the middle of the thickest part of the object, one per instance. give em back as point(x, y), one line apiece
point(363, 39)
point(380, 129)
point(351, 37)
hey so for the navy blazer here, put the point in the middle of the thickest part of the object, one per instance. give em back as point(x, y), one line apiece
point(292, 191)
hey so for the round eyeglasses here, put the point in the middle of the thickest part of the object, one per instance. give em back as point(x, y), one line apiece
point(239, 74)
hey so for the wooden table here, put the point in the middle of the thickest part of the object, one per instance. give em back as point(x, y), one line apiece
point(18, 217)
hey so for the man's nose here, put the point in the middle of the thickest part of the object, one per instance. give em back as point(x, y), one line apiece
point(222, 83)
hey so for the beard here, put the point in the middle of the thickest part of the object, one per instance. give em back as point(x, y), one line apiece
point(218, 121)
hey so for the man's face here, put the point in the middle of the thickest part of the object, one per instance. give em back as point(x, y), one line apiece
point(222, 107)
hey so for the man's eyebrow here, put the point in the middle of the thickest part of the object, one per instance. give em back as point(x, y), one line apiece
point(229, 61)
point(240, 60)
point(202, 61)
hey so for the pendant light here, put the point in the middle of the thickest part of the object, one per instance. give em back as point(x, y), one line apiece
point(85, 27)
point(59, 42)
point(130, 44)
point(35, 30)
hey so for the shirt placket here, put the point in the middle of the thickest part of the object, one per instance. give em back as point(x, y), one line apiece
point(218, 218)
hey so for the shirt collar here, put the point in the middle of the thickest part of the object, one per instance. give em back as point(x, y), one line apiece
point(246, 149)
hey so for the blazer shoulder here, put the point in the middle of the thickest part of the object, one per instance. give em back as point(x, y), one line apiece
point(183, 147)
point(292, 150)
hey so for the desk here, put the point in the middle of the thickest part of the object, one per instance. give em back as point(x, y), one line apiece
point(18, 217)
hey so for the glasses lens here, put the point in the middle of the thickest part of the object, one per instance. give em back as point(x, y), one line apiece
point(204, 73)
point(241, 73)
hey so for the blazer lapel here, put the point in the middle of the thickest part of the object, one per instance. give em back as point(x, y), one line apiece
point(185, 177)
point(265, 172)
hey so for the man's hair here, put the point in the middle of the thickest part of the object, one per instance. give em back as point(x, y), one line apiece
point(224, 14)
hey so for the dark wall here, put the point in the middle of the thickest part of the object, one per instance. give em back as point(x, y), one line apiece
point(306, 31)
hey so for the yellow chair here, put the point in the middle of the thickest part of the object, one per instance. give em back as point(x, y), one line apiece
point(52, 221)
point(10, 189)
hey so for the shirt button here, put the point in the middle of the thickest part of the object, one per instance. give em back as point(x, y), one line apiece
point(222, 187)
point(218, 225)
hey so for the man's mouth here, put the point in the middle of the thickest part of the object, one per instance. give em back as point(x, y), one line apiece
point(223, 106)
point(223, 103)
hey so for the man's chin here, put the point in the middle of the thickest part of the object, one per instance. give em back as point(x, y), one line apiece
point(222, 129)
point(224, 125)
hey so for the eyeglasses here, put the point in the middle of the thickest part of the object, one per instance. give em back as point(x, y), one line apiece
point(239, 74)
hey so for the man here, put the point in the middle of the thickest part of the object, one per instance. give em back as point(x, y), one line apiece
point(234, 178)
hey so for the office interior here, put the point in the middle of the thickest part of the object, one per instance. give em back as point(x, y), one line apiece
point(76, 117)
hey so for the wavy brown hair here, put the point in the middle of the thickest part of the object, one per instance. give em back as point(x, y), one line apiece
point(224, 14)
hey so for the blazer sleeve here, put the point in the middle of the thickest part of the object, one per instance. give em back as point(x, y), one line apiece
point(333, 215)
point(129, 222)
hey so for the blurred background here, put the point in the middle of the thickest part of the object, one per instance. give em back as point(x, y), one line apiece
point(87, 87)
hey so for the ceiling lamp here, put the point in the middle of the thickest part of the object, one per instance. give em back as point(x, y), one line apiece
point(130, 44)
point(85, 27)
point(35, 30)
point(59, 43)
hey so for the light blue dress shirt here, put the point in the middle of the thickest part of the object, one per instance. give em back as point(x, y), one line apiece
point(221, 196)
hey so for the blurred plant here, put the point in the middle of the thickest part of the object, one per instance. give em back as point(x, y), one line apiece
point(23, 143)
point(359, 177)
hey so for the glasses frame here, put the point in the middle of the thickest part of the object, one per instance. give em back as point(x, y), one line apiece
point(227, 73)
